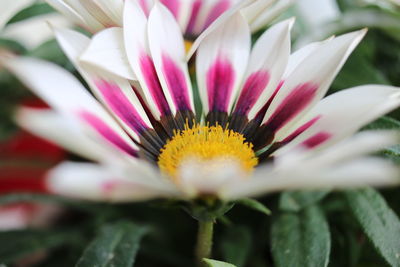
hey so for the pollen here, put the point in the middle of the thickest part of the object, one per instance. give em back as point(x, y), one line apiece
point(205, 144)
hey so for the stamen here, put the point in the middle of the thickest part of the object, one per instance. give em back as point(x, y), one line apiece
point(205, 143)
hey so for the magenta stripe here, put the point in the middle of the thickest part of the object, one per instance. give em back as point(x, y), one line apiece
point(107, 133)
point(144, 4)
point(220, 82)
point(252, 89)
point(300, 130)
point(176, 82)
point(260, 114)
point(173, 6)
point(196, 6)
point(151, 79)
point(122, 107)
point(317, 140)
point(292, 105)
point(216, 11)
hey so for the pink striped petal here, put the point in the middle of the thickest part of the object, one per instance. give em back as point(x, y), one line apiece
point(220, 7)
point(318, 69)
point(168, 53)
point(173, 6)
point(343, 113)
point(217, 24)
point(108, 133)
point(194, 16)
point(135, 38)
point(291, 106)
point(316, 140)
point(122, 101)
point(118, 97)
point(221, 62)
point(63, 92)
point(146, 6)
point(267, 63)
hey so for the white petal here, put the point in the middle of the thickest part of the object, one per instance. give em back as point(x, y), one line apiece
point(168, 53)
point(310, 80)
point(255, 10)
point(216, 24)
point(269, 14)
point(62, 131)
point(64, 92)
point(343, 113)
point(72, 43)
point(106, 52)
point(221, 62)
point(62, 7)
point(109, 13)
point(363, 143)
point(77, 12)
point(308, 176)
point(297, 57)
point(138, 52)
point(96, 182)
point(117, 96)
point(268, 60)
point(10, 8)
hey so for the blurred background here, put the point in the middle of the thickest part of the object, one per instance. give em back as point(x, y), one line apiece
point(44, 228)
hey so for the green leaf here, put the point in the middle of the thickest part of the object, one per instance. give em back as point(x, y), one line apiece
point(298, 200)
point(379, 222)
point(116, 245)
point(386, 123)
point(214, 263)
point(19, 244)
point(254, 204)
point(31, 11)
point(236, 245)
point(301, 239)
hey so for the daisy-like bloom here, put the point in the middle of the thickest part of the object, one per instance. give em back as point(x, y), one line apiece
point(262, 126)
point(193, 16)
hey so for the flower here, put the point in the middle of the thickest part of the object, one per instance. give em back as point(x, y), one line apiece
point(193, 16)
point(264, 124)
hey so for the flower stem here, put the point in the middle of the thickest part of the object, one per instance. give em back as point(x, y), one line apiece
point(204, 241)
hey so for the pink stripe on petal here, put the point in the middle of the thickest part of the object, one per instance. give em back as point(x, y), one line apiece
point(173, 6)
point(292, 105)
point(316, 139)
point(107, 133)
point(260, 114)
point(220, 81)
point(144, 4)
point(122, 107)
point(252, 89)
point(216, 11)
point(151, 79)
point(300, 130)
point(176, 82)
point(196, 6)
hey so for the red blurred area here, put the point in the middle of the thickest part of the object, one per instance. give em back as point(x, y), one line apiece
point(24, 162)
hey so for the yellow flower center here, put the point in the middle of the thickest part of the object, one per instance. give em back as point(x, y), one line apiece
point(205, 144)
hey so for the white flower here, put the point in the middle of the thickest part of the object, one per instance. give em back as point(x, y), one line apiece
point(193, 16)
point(264, 125)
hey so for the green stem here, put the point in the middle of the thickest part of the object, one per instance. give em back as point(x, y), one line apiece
point(204, 241)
